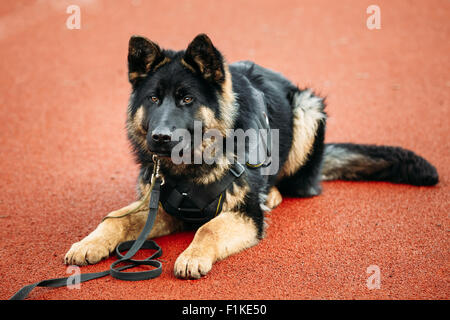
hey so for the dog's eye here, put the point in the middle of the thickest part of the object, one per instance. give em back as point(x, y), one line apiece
point(187, 99)
point(154, 99)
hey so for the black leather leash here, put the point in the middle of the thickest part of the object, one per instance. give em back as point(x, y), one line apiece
point(132, 246)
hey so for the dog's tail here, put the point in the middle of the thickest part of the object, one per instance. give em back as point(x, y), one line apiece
point(356, 162)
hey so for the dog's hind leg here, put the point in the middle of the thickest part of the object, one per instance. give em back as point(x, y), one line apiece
point(300, 175)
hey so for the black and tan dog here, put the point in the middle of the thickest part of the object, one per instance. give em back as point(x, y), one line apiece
point(172, 90)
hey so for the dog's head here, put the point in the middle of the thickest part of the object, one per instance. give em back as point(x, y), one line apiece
point(172, 90)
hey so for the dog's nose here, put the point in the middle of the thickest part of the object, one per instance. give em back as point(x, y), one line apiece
point(161, 135)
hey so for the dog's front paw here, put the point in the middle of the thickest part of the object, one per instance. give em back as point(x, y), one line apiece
point(87, 251)
point(192, 265)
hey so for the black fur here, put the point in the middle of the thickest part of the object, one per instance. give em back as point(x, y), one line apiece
point(200, 72)
point(392, 164)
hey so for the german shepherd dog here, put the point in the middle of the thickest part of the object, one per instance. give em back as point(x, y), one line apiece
point(173, 89)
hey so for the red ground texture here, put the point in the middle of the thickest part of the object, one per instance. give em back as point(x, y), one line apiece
point(65, 161)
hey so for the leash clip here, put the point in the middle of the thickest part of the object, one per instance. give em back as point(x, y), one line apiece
point(156, 167)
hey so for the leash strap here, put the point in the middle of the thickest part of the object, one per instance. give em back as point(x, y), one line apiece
point(132, 246)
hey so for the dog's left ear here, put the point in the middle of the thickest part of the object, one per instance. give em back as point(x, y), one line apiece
point(206, 59)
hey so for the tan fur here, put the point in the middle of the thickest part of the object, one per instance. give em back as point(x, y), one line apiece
point(199, 61)
point(209, 121)
point(307, 116)
point(138, 120)
point(234, 199)
point(227, 105)
point(228, 113)
point(132, 76)
point(187, 65)
point(109, 233)
point(274, 198)
point(163, 62)
point(215, 174)
point(134, 127)
point(226, 234)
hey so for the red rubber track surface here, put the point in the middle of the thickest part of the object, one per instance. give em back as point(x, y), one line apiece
point(65, 161)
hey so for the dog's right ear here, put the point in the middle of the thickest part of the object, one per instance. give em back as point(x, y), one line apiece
point(143, 56)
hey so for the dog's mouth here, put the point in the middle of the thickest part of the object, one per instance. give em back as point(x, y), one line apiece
point(168, 152)
point(161, 150)
point(162, 155)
